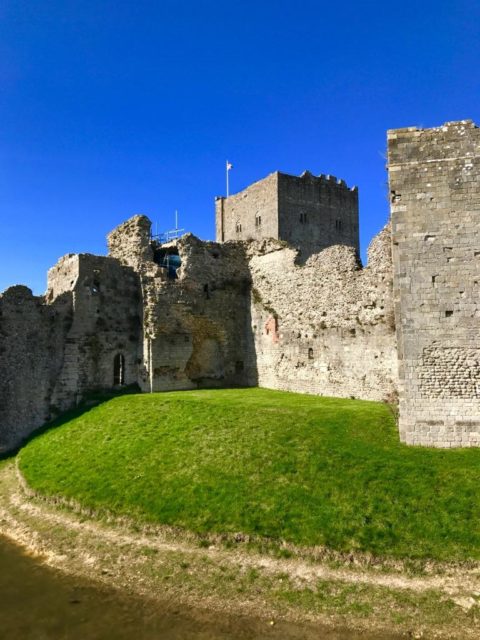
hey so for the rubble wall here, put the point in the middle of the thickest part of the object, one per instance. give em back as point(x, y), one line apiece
point(130, 242)
point(106, 323)
point(434, 177)
point(56, 348)
point(32, 343)
point(325, 327)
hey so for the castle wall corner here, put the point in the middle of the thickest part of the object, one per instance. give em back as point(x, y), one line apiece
point(434, 178)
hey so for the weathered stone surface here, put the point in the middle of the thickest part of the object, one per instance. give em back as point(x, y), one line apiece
point(301, 315)
point(309, 212)
point(434, 179)
point(56, 348)
point(32, 342)
point(325, 327)
point(130, 242)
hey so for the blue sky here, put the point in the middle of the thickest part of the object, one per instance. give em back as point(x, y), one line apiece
point(108, 109)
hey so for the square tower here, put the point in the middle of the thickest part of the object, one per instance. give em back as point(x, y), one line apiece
point(434, 177)
point(309, 212)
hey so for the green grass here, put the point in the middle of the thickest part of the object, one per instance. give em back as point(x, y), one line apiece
point(308, 470)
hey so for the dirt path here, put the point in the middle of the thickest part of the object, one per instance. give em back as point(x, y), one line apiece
point(160, 562)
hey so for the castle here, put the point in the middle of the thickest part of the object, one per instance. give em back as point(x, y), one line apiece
point(280, 301)
point(310, 213)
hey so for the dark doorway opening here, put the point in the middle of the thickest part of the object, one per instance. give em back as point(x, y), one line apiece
point(168, 258)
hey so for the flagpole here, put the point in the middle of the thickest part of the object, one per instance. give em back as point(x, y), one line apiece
point(226, 170)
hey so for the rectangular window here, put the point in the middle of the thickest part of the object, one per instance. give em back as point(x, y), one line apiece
point(258, 221)
point(303, 218)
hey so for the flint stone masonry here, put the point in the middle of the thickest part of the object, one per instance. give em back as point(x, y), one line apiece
point(106, 322)
point(325, 327)
point(434, 177)
point(56, 348)
point(32, 342)
point(309, 212)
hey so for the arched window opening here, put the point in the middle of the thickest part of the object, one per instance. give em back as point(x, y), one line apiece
point(96, 286)
point(118, 370)
point(169, 259)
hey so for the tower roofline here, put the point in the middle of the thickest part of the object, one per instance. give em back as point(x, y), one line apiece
point(305, 175)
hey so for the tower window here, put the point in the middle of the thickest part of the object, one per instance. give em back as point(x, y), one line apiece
point(258, 221)
point(239, 227)
point(119, 370)
point(303, 218)
point(338, 225)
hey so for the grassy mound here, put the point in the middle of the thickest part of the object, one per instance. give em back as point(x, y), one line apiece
point(309, 470)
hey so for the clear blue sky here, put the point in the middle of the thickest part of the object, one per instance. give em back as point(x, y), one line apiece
point(111, 108)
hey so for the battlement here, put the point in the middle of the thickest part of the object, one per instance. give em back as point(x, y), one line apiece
point(322, 177)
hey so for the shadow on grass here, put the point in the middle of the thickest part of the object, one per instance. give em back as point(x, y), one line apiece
point(90, 401)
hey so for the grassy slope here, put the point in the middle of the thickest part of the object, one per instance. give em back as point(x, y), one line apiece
point(301, 468)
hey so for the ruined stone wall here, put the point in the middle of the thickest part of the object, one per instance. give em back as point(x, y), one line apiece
point(317, 212)
point(107, 322)
point(237, 216)
point(195, 325)
point(130, 242)
point(434, 177)
point(32, 342)
point(325, 327)
point(56, 348)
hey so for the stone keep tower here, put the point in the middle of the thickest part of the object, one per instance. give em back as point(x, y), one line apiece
point(434, 177)
point(309, 212)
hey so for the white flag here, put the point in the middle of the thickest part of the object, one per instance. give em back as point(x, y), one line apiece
point(229, 165)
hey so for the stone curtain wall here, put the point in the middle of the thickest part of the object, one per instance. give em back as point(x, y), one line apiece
point(317, 212)
point(32, 344)
point(55, 349)
point(325, 327)
point(434, 177)
point(247, 313)
point(237, 314)
point(259, 199)
point(195, 326)
point(107, 322)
